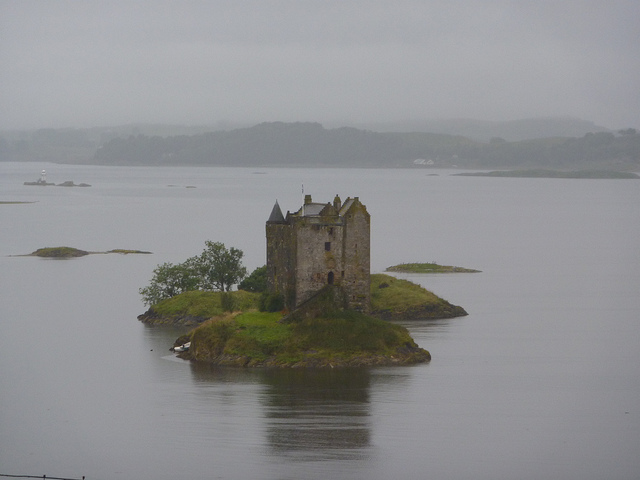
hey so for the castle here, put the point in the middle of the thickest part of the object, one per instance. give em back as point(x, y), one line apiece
point(320, 244)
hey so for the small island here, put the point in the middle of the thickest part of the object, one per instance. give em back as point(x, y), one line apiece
point(231, 330)
point(428, 268)
point(314, 304)
point(544, 173)
point(321, 334)
point(70, 252)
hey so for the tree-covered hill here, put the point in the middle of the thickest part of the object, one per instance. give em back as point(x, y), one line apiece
point(311, 144)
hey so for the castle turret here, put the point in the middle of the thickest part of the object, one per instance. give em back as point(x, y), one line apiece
point(276, 215)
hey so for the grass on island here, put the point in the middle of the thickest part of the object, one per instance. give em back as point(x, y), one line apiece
point(201, 304)
point(428, 268)
point(391, 298)
point(256, 338)
point(59, 252)
point(231, 330)
point(390, 293)
point(394, 298)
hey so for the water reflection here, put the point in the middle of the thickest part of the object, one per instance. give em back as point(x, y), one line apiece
point(309, 414)
point(318, 413)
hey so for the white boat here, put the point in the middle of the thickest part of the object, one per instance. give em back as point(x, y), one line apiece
point(181, 348)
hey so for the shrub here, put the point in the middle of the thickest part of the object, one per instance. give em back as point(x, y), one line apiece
point(271, 302)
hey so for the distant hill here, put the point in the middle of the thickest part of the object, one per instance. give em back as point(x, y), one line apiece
point(484, 130)
point(311, 144)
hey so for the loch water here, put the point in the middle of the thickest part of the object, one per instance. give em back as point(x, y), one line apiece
point(541, 380)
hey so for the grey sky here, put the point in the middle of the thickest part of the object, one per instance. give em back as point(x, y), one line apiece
point(77, 63)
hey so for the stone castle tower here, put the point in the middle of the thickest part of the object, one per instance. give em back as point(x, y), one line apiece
point(320, 244)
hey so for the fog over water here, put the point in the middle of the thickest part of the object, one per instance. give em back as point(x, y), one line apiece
point(82, 64)
point(541, 380)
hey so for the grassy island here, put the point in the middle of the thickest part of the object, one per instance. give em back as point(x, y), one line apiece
point(320, 334)
point(70, 252)
point(396, 299)
point(428, 268)
point(59, 252)
point(337, 339)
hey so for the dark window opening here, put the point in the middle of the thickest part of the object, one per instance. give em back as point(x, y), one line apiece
point(327, 246)
point(330, 278)
point(330, 230)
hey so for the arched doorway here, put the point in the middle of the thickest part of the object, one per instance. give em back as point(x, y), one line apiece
point(330, 278)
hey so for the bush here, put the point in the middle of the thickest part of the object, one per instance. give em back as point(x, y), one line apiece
point(271, 302)
point(227, 302)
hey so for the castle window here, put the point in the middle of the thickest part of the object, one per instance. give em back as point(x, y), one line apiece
point(330, 278)
point(330, 230)
point(327, 246)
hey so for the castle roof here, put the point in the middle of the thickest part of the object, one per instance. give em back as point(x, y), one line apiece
point(347, 205)
point(276, 215)
point(314, 209)
point(311, 209)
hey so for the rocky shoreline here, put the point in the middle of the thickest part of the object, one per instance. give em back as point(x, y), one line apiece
point(408, 355)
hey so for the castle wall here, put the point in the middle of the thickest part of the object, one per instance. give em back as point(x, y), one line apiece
point(281, 261)
point(320, 256)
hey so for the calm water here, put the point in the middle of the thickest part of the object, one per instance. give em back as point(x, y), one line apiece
point(541, 380)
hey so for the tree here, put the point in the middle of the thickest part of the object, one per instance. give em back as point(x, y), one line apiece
point(217, 268)
point(168, 281)
point(256, 281)
point(220, 268)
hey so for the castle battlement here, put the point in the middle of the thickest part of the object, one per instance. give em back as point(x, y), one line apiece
point(320, 244)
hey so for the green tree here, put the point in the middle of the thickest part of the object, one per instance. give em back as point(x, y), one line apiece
point(220, 268)
point(168, 281)
point(256, 281)
point(217, 268)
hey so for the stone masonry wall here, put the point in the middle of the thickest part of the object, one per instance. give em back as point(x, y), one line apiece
point(357, 259)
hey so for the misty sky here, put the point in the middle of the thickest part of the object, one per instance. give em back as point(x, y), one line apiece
point(98, 63)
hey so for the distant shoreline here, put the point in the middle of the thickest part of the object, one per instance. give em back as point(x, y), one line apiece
point(544, 173)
